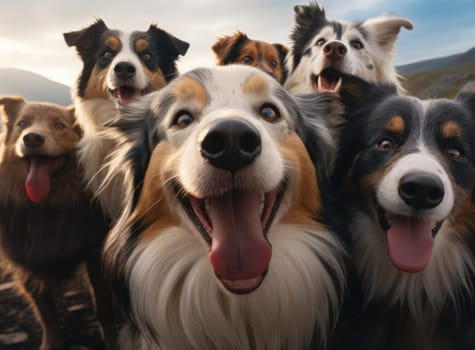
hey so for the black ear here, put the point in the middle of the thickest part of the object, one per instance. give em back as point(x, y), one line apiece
point(85, 40)
point(225, 46)
point(170, 45)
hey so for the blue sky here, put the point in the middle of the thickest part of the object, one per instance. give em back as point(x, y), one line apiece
point(31, 31)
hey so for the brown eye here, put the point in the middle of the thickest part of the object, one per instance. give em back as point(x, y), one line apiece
point(107, 54)
point(454, 153)
point(273, 63)
point(22, 124)
point(356, 44)
point(320, 42)
point(247, 60)
point(59, 126)
point(183, 119)
point(269, 113)
point(146, 57)
point(386, 144)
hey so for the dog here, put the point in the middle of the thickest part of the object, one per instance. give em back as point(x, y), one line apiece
point(240, 49)
point(227, 246)
point(406, 169)
point(117, 68)
point(321, 49)
point(48, 225)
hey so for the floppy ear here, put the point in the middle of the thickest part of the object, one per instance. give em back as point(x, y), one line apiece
point(71, 112)
point(11, 105)
point(84, 40)
point(384, 30)
point(225, 45)
point(282, 50)
point(171, 45)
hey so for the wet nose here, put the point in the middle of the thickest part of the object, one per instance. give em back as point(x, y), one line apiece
point(124, 70)
point(33, 140)
point(421, 190)
point(231, 145)
point(335, 50)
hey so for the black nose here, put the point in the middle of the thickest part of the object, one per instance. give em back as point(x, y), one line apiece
point(33, 140)
point(231, 144)
point(124, 70)
point(335, 50)
point(421, 190)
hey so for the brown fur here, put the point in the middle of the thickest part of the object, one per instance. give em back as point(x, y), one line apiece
point(44, 243)
point(238, 48)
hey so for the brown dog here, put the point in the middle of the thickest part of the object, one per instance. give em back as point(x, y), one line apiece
point(48, 224)
point(238, 48)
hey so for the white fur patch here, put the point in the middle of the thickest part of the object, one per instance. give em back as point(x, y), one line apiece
point(184, 304)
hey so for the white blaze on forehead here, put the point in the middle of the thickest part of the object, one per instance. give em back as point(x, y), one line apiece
point(127, 54)
point(421, 162)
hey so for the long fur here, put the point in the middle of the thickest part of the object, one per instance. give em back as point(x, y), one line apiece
point(166, 282)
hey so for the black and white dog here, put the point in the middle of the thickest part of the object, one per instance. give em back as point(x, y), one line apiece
point(321, 49)
point(117, 68)
point(406, 169)
point(227, 247)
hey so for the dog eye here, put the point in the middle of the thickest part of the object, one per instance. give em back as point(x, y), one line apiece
point(356, 44)
point(247, 60)
point(454, 153)
point(22, 124)
point(183, 119)
point(146, 57)
point(320, 42)
point(269, 113)
point(107, 54)
point(386, 144)
point(273, 63)
point(59, 126)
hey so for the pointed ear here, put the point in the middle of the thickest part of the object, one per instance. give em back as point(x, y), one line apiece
point(86, 40)
point(169, 43)
point(225, 45)
point(11, 105)
point(384, 30)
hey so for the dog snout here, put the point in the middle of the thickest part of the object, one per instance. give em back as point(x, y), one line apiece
point(231, 144)
point(421, 190)
point(334, 50)
point(33, 140)
point(124, 70)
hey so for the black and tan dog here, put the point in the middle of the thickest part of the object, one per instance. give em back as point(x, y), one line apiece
point(48, 225)
point(406, 169)
point(227, 247)
point(117, 67)
point(240, 49)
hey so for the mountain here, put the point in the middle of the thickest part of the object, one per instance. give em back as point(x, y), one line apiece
point(33, 87)
point(439, 77)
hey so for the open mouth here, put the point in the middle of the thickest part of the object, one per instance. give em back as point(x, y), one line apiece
point(125, 94)
point(329, 81)
point(410, 240)
point(235, 226)
point(40, 169)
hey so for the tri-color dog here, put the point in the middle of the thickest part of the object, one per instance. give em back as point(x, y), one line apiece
point(406, 168)
point(240, 49)
point(322, 49)
point(227, 247)
point(117, 67)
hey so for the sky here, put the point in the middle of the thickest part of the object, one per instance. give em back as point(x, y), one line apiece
point(31, 31)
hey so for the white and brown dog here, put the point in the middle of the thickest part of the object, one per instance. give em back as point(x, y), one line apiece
point(227, 247)
point(117, 67)
point(321, 49)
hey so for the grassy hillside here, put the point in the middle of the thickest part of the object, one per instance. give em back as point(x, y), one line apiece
point(439, 82)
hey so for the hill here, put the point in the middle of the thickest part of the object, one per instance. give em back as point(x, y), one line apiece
point(439, 77)
point(33, 87)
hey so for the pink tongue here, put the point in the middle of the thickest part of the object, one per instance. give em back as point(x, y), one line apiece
point(239, 250)
point(126, 95)
point(410, 243)
point(37, 183)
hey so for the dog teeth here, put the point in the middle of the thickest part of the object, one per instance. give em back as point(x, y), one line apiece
point(319, 82)
point(338, 86)
point(261, 203)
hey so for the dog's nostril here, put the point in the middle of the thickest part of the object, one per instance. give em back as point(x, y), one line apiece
point(231, 145)
point(124, 70)
point(421, 190)
point(33, 139)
